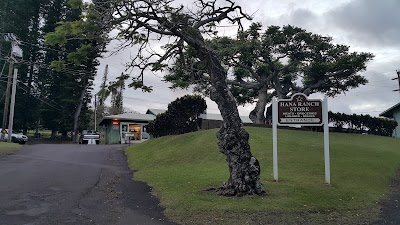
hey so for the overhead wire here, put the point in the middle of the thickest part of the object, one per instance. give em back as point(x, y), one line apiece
point(41, 100)
point(44, 66)
point(144, 100)
point(5, 62)
point(42, 47)
point(52, 106)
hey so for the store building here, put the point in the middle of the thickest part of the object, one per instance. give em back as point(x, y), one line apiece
point(131, 127)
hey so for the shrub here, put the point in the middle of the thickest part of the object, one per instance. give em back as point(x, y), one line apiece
point(362, 124)
point(181, 117)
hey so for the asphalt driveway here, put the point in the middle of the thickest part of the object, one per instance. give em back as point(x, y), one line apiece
point(73, 184)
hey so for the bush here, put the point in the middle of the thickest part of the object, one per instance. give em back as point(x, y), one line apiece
point(362, 124)
point(181, 117)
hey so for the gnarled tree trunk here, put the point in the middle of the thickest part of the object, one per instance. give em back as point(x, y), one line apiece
point(257, 115)
point(233, 139)
point(78, 113)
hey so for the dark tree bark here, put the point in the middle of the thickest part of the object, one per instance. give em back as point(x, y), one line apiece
point(257, 115)
point(53, 133)
point(185, 27)
point(78, 112)
point(233, 139)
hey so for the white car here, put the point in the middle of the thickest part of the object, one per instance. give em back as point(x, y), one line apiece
point(16, 137)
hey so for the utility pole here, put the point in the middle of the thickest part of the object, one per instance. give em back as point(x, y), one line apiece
point(95, 112)
point(7, 99)
point(15, 51)
point(398, 79)
point(12, 106)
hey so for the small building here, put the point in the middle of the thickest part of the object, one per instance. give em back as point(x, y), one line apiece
point(126, 128)
point(130, 127)
point(393, 113)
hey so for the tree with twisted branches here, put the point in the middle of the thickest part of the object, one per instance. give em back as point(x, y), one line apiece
point(278, 62)
point(144, 22)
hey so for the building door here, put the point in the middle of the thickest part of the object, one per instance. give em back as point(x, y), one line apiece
point(136, 131)
point(124, 132)
point(131, 132)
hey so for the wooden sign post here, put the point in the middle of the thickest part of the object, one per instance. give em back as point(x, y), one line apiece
point(299, 110)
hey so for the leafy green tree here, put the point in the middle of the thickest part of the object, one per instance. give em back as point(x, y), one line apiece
point(102, 94)
point(140, 22)
point(83, 40)
point(362, 124)
point(181, 117)
point(59, 85)
point(277, 62)
point(117, 90)
point(25, 24)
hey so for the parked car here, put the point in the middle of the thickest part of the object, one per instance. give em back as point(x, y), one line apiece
point(16, 137)
point(87, 135)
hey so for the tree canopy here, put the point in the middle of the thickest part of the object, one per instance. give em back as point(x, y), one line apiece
point(277, 62)
point(145, 22)
point(182, 116)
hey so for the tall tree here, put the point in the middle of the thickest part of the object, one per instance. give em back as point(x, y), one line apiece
point(59, 85)
point(142, 21)
point(83, 40)
point(117, 90)
point(277, 62)
point(25, 24)
point(102, 94)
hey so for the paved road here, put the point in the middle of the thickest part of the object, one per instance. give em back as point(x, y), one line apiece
point(73, 184)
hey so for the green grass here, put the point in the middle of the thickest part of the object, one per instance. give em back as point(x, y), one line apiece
point(8, 148)
point(180, 168)
point(43, 133)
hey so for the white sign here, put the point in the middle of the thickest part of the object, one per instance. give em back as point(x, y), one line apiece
point(305, 116)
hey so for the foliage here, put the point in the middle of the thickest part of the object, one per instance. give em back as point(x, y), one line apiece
point(143, 23)
point(81, 39)
point(117, 88)
point(279, 61)
point(181, 117)
point(362, 123)
point(177, 167)
point(25, 24)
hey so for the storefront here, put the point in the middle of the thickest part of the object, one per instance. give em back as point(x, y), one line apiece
point(132, 132)
point(131, 127)
point(126, 128)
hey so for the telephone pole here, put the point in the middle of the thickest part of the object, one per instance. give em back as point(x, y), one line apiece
point(7, 99)
point(398, 79)
point(17, 52)
point(95, 112)
point(12, 107)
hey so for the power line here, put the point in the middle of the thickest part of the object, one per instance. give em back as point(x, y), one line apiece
point(66, 70)
point(18, 85)
point(43, 47)
point(36, 96)
point(54, 107)
point(144, 100)
point(3, 96)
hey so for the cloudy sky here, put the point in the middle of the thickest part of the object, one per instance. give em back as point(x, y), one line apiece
point(364, 25)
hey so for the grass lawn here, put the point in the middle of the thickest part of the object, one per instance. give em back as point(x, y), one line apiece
point(180, 168)
point(8, 148)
